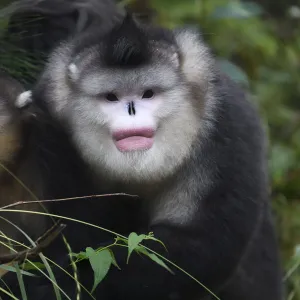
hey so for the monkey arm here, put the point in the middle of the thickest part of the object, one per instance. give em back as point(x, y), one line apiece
point(210, 250)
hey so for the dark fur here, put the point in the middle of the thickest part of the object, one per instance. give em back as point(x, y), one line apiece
point(230, 245)
point(37, 27)
point(127, 44)
point(16, 160)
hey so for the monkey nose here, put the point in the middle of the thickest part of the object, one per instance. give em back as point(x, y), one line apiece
point(131, 108)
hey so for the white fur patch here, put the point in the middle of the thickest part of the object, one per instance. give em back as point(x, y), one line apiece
point(196, 60)
point(197, 66)
point(24, 99)
point(73, 72)
point(177, 126)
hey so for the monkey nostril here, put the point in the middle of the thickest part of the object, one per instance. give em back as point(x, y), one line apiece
point(111, 97)
point(148, 94)
point(131, 108)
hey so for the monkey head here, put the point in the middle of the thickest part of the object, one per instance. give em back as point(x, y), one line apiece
point(134, 99)
point(13, 98)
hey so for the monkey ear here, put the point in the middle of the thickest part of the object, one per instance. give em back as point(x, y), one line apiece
point(195, 58)
point(23, 100)
point(24, 103)
point(73, 72)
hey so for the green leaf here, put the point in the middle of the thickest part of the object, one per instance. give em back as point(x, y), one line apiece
point(154, 257)
point(133, 242)
point(150, 236)
point(100, 262)
point(13, 269)
point(79, 256)
point(114, 262)
point(237, 10)
point(33, 266)
point(233, 71)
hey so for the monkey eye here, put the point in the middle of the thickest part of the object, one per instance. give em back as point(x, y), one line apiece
point(148, 94)
point(111, 97)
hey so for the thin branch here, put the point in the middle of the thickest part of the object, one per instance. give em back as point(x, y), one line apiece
point(64, 199)
point(42, 242)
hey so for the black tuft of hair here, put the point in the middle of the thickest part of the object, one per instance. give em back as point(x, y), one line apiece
point(126, 45)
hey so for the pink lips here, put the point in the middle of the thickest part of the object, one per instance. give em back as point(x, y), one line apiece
point(134, 139)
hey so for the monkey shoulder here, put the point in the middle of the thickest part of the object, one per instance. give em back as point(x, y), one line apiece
point(235, 107)
point(238, 128)
point(232, 158)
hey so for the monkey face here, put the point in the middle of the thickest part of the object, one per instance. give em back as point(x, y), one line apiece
point(130, 108)
point(132, 115)
point(128, 122)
